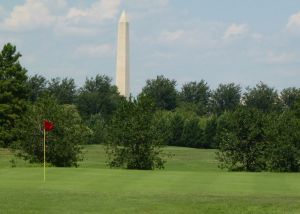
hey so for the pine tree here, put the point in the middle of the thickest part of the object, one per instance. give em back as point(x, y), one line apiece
point(13, 94)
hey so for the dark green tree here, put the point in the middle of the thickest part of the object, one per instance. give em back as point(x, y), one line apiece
point(262, 97)
point(134, 142)
point(192, 134)
point(162, 91)
point(37, 87)
point(13, 94)
point(241, 140)
point(210, 131)
point(283, 142)
point(196, 93)
point(176, 125)
point(98, 96)
point(289, 97)
point(226, 98)
point(64, 143)
point(64, 90)
point(98, 125)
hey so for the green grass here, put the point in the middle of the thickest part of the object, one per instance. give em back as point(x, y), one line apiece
point(191, 183)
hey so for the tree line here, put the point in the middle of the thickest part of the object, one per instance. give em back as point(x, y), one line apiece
point(254, 129)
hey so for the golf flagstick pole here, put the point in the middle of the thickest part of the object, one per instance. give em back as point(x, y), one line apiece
point(44, 155)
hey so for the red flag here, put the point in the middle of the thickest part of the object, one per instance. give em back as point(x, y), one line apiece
point(48, 125)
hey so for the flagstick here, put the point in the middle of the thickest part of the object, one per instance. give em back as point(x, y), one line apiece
point(44, 155)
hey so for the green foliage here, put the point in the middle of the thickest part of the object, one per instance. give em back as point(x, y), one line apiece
point(290, 97)
point(134, 142)
point(192, 134)
point(241, 140)
point(182, 129)
point(162, 91)
point(37, 87)
point(210, 131)
point(98, 96)
point(63, 143)
point(262, 97)
point(176, 129)
point(99, 127)
point(196, 93)
point(226, 98)
point(13, 94)
point(63, 90)
point(283, 143)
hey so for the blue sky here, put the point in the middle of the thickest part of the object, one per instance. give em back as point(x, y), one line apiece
point(241, 41)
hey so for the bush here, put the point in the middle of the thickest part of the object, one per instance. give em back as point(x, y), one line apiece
point(283, 143)
point(98, 125)
point(192, 134)
point(63, 146)
point(134, 142)
point(240, 136)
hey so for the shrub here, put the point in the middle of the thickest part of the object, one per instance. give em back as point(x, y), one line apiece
point(134, 141)
point(63, 146)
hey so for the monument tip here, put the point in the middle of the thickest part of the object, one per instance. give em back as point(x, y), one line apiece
point(124, 17)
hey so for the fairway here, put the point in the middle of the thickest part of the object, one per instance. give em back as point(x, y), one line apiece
point(191, 183)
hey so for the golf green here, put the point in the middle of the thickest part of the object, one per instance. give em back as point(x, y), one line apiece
point(191, 183)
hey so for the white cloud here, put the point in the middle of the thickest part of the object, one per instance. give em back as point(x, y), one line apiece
point(86, 21)
point(98, 12)
point(44, 13)
point(235, 30)
point(171, 36)
point(257, 37)
point(294, 23)
point(271, 56)
point(102, 50)
point(31, 14)
point(279, 58)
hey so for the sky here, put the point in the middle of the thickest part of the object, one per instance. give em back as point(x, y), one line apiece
point(244, 42)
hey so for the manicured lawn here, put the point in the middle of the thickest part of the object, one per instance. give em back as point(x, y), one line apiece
point(191, 183)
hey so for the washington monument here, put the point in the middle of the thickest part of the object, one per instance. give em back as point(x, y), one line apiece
point(122, 74)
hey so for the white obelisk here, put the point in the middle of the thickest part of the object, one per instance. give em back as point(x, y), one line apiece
point(122, 74)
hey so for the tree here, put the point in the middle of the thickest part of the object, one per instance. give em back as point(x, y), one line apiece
point(63, 143)
point(210, 131)
point(37, 87)
point(240, 136)
point(262, 97)
point(289, 97)
point(162, 91)
point(98, 96)
point(226, 98)
point(13, 94)
point(134, 142)
point(283, 143)
point(99, 127)
point(192, 134)
point(63, 90)
point(196, 93)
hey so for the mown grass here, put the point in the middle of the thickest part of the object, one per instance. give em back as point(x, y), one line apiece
point(191, 183)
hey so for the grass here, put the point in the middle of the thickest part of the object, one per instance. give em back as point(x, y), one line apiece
point(191, 183)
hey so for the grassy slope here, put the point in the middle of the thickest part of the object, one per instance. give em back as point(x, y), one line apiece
point(191, 183)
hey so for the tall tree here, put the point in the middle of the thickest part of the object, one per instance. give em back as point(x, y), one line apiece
point(262, 97)
point(98, 96)
point(162, 91)
point(226, 98)
point(134, 142)
point(63, 90)
point(240, 135)
point(37, 87)
point(196, 93)
point(13, 94)
point(290, 96)
point(64, 143)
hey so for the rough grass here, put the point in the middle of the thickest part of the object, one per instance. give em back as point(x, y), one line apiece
point(191, 183)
